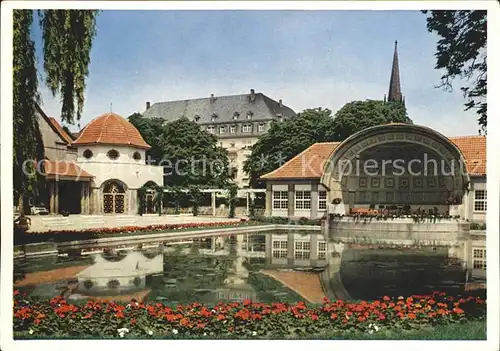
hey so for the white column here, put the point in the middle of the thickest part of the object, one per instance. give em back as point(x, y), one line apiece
point(213, 204)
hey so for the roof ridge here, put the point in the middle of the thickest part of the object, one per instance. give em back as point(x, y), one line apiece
point(122, 124)
point(467, 137)
point(207, 98)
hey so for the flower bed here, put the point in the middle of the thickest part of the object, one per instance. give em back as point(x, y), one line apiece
point(71, 235)
point(102, 319)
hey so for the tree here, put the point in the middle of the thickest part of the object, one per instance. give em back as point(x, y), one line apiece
point(67, 39)
point(286, 139)
point(461, 52)
point(67, 42)
point(358, 115)
point(191, 155)
point(27, 144)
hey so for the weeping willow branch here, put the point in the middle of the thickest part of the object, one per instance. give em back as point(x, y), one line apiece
point(67, 42)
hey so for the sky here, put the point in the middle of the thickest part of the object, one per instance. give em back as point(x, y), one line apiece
point(306, 58)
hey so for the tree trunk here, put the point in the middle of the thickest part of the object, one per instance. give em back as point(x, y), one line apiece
point(20, 203)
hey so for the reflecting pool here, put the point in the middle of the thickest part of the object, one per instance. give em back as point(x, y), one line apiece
point(267, 267)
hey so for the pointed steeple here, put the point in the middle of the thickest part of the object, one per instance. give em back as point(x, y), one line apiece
point(395, 84)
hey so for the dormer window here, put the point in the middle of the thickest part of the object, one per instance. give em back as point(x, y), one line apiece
point(214, 116)
point(236, 115)
point(249, 114)
point(113, 154)
point(196, 118)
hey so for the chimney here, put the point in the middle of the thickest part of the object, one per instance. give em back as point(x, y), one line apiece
point(281, 103)
point(252, 94)
point(148, 105)
point(212, 98)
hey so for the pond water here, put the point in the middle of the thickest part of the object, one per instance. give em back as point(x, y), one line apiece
point(231, 268)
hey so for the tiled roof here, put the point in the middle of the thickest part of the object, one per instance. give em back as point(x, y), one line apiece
point(60, 130)
point(111, 128)
point(223, 108)
point(474, 150)
point(65, 169)
point(310, 162)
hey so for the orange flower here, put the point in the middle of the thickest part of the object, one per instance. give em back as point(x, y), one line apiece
point(184, 322)
point(386, 298)
point(361, 318)
point(333, 316)
point(220, 317)
point(119, 314)
point(412, 316)
point(201, 325)
point(458, 310)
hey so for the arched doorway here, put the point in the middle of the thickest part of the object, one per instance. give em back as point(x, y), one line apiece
point(396, 165)
point(113, 197)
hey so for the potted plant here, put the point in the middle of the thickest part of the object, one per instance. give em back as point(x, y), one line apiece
point(453, 202)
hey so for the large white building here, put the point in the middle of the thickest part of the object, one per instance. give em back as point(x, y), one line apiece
point(236, 120)
point(99, 172)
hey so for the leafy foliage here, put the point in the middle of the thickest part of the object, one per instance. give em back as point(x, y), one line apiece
point(27, 143)
point(67, 42)
point(461, 52)
point(285, 140)
point(358, 115)
point(191, 155)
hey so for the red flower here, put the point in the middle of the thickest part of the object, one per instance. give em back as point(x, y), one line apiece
point(412, 316)
point(184, 322)
point(16, 292)
point(381, 317)
point(247, 302)
point(201, 325)
point(314, 317)
point(119, 314)
point(361, 319)
point(220, 317)
point(458, 310)
point(333, 316)
point(386, 298)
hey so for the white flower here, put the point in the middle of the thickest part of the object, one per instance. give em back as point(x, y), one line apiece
point(31, 331)
point(205, 334)
point(150, 332)
point(121, 335)
point(127, 306)
point(370, 332)
point(175, 331)
point(254, 333)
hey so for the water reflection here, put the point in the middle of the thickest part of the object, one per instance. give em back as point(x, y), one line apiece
point(230, 268)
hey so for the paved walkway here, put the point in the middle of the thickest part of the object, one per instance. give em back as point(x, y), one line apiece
point(306, 284)
point(51, 276)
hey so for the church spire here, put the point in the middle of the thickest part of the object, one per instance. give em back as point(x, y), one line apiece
point(395, 84)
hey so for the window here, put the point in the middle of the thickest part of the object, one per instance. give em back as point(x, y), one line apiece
point(302, 250)
point(479, 259)
point(321, 250)
point(196, 118)
point(113, 154)
point(302, 200)
point(222, 130)
point(249, 114)
point(236, 115)
point(322, 200)
point(233, 129)
point(247, 128)
point(137, 156)
point(480, 200)
point(280, 249)
point(211, 130)
point(261, 127)
point(88, 154)
point(280, 200)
